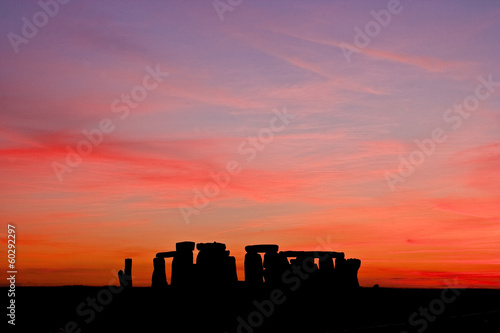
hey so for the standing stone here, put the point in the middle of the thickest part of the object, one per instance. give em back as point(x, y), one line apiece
point(232, 276)
point(275, 264)
point(254, 272)
point(212, 264)
point(341, 275)
point(159, 279)
point(182, 264)
point(125, 278)
point(352, 266)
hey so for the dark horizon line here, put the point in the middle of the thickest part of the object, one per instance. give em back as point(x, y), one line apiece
point(242, 282)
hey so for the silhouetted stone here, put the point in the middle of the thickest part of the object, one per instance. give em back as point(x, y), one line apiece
point(121, 278)
point(159, 279)
point(125, 278)
point(182, 264)
point(352, 267)
point(217, 247)
point(214, 265)
point(341, 274)
point(210, 262)
point(254, 272)
point(262, 248)
point(169, 254)
point(231, 275)
point(275, 264)
point(184, 246)
point(268, 264)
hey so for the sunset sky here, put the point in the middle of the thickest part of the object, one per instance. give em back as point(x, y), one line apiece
point(342, 172)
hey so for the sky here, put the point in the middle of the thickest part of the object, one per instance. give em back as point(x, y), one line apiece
point(369, 128)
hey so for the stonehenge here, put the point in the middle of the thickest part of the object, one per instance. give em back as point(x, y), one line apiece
point(264, 266)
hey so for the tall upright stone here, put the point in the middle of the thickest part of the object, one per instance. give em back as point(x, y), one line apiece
point(275, 264)
point(352, 267)
point(159, 279)
point(254, 272)
point(341, 274)
point(231, 275)
point(125, 278)
point(215, 267)
point(182, 264)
